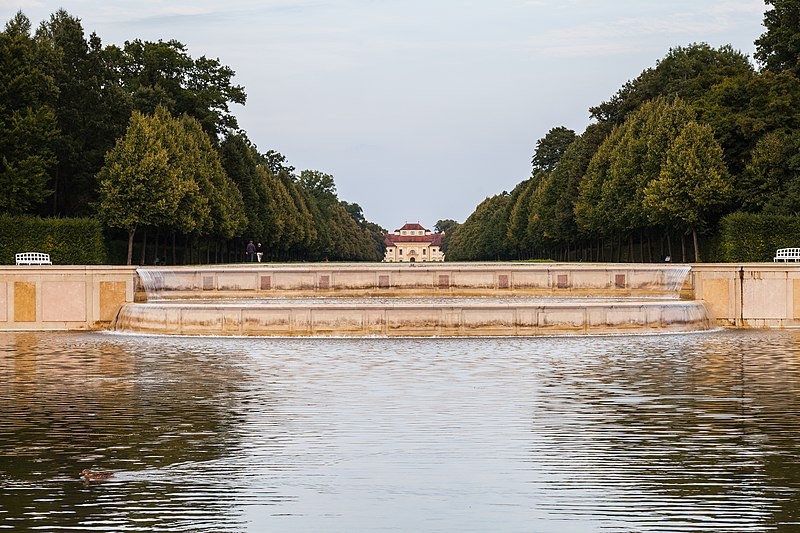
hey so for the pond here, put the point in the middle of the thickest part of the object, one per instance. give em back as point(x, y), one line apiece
point(680, 432)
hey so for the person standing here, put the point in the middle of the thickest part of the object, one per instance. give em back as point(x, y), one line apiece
point(251, 250)
point(259, 252)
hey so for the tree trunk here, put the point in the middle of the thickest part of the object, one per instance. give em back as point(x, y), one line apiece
point(669, 245)
point(143, 255)
point(696, 248)
point(683, 248)
point(55, 193)
point(174, 251)
point(131, 233)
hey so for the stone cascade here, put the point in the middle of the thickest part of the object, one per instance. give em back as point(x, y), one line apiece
point(491, 299)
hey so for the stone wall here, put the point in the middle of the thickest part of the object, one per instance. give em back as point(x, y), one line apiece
point(88, 297)
point(756, 295)
point(49, 297)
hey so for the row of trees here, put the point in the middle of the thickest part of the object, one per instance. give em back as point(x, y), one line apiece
point(142, 137)
point(699, 136)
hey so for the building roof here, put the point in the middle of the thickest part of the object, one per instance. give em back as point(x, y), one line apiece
point(434, 239)
point(412, 226)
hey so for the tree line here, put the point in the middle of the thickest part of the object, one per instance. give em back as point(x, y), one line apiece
point(142, 137)
point(701, 135)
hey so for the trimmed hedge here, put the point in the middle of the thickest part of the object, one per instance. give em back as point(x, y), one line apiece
point(69, 241)
point(749, 237)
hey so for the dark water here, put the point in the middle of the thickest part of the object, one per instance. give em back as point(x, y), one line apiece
point(670, 433)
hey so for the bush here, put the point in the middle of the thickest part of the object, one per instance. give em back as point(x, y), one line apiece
point(69, 241)
point(748, 237)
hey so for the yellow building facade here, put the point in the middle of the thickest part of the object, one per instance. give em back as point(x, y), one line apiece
point(413, 244)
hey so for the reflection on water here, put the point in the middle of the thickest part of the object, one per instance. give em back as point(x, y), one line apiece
point(647, 433)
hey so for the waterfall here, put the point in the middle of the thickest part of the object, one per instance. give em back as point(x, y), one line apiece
point(674, 278)
point(154, 281)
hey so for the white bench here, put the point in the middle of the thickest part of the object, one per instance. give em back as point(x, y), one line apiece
point(786, 254)
point(33, 258)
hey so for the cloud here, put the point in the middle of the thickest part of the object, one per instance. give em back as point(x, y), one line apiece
point(626, 35)
point(17, 5)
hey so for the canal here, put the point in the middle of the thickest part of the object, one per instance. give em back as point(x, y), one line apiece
point(670, 433)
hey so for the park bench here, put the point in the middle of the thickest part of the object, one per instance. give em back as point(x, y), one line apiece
point(787, 254)
point(33, 258)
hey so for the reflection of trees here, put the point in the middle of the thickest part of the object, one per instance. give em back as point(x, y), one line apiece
point(84, 401)
point(696, 429)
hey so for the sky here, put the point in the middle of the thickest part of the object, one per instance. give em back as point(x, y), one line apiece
point(419, 109)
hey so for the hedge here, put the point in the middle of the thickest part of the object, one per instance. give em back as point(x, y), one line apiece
point(749, 237)
point(69, 241)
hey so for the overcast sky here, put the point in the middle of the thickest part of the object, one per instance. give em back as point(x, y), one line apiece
point(420, 109)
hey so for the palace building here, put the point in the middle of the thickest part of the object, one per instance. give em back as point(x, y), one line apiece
point(413, 244)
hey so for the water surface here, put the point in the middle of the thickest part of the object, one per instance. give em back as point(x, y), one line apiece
point(664, 433)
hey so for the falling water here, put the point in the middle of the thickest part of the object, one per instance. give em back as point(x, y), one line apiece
point(390, 300)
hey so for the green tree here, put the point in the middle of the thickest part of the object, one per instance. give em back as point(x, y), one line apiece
point(686, 72)
point(611, 195)
point(27, 123)
point(772, 176)
point(778, 48)
point(163, 73)
point(444, 225)
point(91, 108)
point(743, 108)
point(138, 185)
point(550, 148)
point(483, 235)
point(693, 181)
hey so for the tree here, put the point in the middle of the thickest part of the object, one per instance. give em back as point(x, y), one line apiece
point(778, 49)
point(444, 225)
point(27, 123)
point(138, 185)
point(611, 193)
point(91, 108)
point(483, 235)
point(165, 173)
point(772, 177)
point(685, 72)
point(692, 182)
point(163, 74)
point(550, 148)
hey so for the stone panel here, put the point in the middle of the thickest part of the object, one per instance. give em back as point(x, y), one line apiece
point(236, 281)
point(716, 295)
point(764, 298)
point(24, 301)
point(112, 297)
point(63, 301)
point(796, 299)
point(3, 301)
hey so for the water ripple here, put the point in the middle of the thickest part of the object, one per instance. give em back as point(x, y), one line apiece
point(626, 434)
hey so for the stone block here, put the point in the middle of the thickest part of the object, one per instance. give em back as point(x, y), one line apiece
point(3, 301)
point(112, 297)
point(24, 301)
point(63, 301)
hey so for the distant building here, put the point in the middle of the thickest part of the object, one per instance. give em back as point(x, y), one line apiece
point(413, 244)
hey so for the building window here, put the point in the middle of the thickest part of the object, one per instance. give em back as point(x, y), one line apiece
point(423, 251)
point(401, 251)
